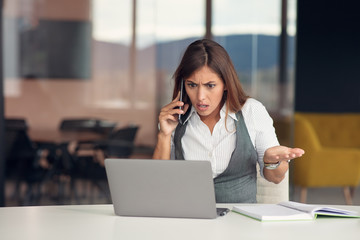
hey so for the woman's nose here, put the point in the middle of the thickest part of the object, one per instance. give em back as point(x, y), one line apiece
point(201, 93)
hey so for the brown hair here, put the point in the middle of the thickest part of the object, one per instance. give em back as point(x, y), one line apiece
point(209, 53)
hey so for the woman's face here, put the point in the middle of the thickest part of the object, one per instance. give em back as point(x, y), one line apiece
point(205, 90)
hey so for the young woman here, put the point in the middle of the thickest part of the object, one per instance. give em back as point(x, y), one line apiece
point(220, 124)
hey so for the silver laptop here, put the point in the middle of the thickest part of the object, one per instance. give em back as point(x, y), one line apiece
point(161, 188)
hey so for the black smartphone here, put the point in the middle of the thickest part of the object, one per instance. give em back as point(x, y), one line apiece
point(181, 99)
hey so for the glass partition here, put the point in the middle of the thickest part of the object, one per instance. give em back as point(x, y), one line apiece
point(178, 23)
point(250, 32)
point(114, 60)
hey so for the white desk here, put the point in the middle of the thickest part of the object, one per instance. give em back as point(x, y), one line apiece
point(99, 222)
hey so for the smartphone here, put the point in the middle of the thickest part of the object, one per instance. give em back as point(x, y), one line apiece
point(181, 99)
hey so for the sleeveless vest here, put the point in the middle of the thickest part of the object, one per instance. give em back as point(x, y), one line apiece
point(237, 184)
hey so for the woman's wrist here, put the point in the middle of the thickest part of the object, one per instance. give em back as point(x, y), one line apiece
point(274, 165)
point(163, 136)
point(162, 148)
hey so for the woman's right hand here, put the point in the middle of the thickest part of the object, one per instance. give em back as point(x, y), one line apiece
point(168, 117)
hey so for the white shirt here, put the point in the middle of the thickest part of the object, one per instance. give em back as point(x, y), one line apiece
point(199, 144)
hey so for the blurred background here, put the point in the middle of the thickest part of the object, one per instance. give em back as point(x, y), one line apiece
point(84, 80)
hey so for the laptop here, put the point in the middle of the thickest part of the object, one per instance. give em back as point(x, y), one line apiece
point(161, 188)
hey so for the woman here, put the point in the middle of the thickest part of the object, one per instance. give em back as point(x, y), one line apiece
point(220, 124)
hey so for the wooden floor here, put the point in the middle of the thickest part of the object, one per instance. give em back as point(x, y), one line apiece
point(329, 195)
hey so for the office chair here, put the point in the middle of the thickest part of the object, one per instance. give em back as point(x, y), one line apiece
point(23, 161)
point(268, 192)
point(118, 144)
point(12, 128)
point(326, 165)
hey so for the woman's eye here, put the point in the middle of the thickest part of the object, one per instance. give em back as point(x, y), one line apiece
point(211, 85)
point(192, 85)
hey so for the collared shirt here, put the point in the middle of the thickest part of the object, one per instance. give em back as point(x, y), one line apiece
point(199, 144)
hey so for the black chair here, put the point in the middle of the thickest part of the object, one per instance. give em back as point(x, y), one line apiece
point(22, 161)
point(120, 144)
point(12, 129)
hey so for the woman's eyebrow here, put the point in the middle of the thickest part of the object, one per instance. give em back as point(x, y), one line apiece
point(206, 83)
point(190, 81)
point(210, 82)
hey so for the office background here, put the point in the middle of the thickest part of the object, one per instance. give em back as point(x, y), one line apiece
point(114, 59)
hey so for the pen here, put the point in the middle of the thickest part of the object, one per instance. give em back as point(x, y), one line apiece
point(224, 212)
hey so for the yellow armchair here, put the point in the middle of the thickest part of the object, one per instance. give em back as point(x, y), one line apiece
point(332, 152)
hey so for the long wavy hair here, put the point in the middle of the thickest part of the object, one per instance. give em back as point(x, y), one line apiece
point(208, 53)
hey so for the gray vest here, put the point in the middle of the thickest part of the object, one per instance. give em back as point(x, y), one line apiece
point(237, 184)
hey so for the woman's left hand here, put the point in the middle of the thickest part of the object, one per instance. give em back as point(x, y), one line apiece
point(282, 153)
point(279, 154)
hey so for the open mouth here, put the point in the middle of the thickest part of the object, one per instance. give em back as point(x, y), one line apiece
point(202, 107)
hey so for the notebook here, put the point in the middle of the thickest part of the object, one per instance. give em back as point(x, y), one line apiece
point(291, 211)
point(161, 188)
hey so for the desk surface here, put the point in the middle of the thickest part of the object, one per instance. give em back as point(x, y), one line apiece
point(99, 222)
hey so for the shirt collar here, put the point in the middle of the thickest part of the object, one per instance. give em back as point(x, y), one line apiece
point(230, 113)
point(192, 111)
